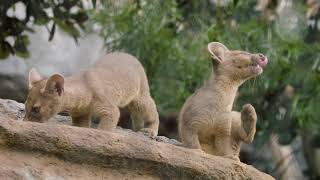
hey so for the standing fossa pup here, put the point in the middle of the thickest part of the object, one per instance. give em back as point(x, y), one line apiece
point(116, 80)
point(206, 120)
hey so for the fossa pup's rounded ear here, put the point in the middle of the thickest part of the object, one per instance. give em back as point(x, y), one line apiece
point(217, 51)
point(55, 84)
point(34, 77)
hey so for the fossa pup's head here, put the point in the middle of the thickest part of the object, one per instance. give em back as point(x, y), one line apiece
point(236, 65)
point(44, 96)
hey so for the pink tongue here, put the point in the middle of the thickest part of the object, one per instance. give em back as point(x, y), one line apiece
point(264, 63)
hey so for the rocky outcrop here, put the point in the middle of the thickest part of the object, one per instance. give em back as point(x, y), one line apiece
point(45, 151)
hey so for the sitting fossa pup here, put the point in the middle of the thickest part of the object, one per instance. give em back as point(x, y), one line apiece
point(116, 80)
point(206, 120)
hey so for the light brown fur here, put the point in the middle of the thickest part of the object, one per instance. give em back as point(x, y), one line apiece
point(116, 80)
point(206, 120)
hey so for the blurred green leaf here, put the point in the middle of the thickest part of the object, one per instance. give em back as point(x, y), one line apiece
point(5, 49)
point(20, 46)
point(235, 2)
point(68, 27)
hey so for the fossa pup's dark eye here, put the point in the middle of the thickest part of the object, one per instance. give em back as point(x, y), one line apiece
point(35, 109)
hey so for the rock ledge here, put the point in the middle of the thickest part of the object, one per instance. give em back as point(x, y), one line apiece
point(48, 151)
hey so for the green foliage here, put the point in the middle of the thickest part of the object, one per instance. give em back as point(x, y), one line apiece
point(37, 13)
point(170, 38)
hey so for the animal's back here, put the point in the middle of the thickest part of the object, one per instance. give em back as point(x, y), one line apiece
point(117, 59)
point(118, 76)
